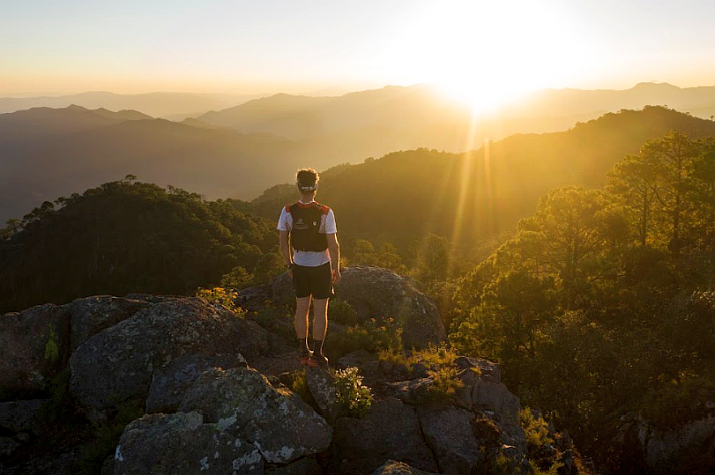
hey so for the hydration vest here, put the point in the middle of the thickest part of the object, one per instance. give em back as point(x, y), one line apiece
point(305, 234)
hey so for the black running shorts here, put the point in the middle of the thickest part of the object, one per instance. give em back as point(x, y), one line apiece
point(315, 281)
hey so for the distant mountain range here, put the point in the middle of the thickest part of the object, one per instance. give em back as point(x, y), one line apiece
point(169, 105)
point(240, 151)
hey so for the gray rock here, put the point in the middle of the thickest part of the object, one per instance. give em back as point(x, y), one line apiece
point(26, 363)
point(660, 446)
point(19, 416)
point(412, 392)
point(170, 382)
point(389, 431)
point(392, 467)
point(277, 421)
point(379, 293)
point(117, 364)
point(480, 395)
point(91, 315)
point(448, 432)
point(304, 466)
point(322, 387)
point(7, 446)
point(167, 444)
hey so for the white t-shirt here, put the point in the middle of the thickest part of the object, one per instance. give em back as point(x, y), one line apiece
point(310, 258)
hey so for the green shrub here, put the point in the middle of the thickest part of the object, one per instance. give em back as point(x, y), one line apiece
point(535, 429)
point(221, 295)
point(444, 383)
point(352, 392)
point(353, 339)
point(384, 335)
point(270, 312)
point(52, 348)
point(341, 312)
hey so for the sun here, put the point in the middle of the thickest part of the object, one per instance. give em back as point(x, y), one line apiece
point(488, 53)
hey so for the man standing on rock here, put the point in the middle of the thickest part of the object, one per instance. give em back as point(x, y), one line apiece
point(310, 249)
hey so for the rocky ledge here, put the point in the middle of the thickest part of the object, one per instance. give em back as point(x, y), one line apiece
point(220, 393)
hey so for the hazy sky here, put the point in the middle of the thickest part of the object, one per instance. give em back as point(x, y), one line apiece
point(501, 46)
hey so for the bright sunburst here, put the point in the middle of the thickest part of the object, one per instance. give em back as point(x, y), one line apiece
point(488, 53)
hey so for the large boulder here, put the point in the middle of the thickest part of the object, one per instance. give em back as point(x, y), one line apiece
point(381, 294)
point(34, 345)
point(118, 363)
point(91, 315)
point(277, 421)
point(389, 431)
point(170, 383)
point(167, 444)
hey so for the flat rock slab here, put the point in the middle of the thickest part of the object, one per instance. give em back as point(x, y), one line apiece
point(169, 444)
point(118, 363)
point(277, 421)
point(389, 431)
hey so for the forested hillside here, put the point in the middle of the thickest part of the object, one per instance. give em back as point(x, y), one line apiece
point(127, 237)
point(477, 195)
point(601, 309)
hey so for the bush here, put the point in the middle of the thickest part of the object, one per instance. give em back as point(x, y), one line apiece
point(352, 392)
point(341, 312)
point(444, 383)
point(221, 295)
point(535, 429)
point(354, 338)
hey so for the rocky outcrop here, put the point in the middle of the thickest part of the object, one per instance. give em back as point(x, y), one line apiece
point(34, 344)
point(381, 294)
point(449, 433)
point(117, 364)
point(91, 315)
point(170, 382)
point(389, 431)
point(167, 444)
point(277, 421)
point(483, 393)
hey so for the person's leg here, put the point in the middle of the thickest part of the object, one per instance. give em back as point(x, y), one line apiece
point(302, 308)
point(321, 294)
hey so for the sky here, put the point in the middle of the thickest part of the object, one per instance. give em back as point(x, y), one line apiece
point(480, 50)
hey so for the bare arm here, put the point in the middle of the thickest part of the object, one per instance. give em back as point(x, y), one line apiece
point(285, 249)
point(334, 250)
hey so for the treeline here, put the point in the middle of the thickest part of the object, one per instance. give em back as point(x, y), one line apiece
point(125, 237)
point(599, 305)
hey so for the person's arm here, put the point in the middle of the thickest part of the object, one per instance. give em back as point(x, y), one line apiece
point(334, 250)
point(285, 250)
